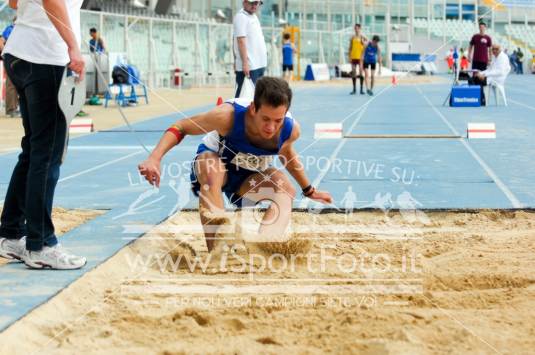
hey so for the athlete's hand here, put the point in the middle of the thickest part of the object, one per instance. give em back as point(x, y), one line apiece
point(77, 63)
point(321, 196)
point(150, 169)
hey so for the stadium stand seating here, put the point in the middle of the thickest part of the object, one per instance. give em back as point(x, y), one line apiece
point(461, 31)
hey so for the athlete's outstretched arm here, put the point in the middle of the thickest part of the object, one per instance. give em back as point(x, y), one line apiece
point(219, 119)
point(290, 159)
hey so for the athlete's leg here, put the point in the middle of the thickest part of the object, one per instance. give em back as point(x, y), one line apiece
point(366, 77)
point(211, 175)
point(354, 77)
point(290, 73)
point(277, 216)
point(286, 73)
point(361, 78)
point(372, 80)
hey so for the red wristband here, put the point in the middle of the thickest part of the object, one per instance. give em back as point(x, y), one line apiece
point(176, 132)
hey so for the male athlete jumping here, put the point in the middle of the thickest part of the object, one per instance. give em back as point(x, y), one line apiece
point(235, 156)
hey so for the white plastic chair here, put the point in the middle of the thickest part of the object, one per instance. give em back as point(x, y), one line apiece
point(498, 91)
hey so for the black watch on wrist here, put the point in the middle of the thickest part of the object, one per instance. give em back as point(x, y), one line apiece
point(307, 191)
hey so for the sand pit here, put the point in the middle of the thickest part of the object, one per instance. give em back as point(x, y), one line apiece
point(468, 280)
point(65, 220)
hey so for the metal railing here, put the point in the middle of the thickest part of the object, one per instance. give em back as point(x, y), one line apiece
point(202, 51)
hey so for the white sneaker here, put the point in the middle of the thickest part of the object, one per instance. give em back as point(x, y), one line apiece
point(12, 248)
point(55, 257)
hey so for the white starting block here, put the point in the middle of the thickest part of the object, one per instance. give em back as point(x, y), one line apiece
point(481, 130)
point(328, 131)
point(81, 125)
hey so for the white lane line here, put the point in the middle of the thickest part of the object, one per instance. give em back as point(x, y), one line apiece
point(100, 166)
point(103, 147)
point(507, 192)
point(108, 147)
point(517, 89)
point(94, 168)
point(185, 147)
point(88, 148)
point(304, 203)
point(521, 104)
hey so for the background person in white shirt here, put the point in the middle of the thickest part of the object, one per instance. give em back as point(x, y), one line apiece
point(250, 51)
point(496, 73)
point(45, 40)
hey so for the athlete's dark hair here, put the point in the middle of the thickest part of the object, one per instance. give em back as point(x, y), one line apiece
point(482, 23)
point(93, 30)
point(287, 36)
point(273, 92)
point(376, 38)
point(357, 25)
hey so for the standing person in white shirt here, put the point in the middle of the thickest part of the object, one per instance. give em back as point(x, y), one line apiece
point(496, 73)
point(44, 42)
point(250, 50)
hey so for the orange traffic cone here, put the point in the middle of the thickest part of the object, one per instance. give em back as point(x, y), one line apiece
point(219, 101)
point(394, 80)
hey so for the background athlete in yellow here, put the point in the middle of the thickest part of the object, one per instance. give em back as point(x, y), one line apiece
point(357, 43)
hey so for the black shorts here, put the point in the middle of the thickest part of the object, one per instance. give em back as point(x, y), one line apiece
point(289, 67)
point(479, 65)
point(235, 178)
point(370, 65)
point(355, 61)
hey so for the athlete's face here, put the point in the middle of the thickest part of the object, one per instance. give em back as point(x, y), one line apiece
point(268, 119)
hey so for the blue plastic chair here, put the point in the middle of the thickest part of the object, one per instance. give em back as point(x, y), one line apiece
point(121, 98)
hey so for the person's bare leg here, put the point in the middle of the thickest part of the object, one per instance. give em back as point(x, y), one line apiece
point(287, 75)
point(366, 79)
point(277, 216)
point(212, 175)
point(361, 78)
point(372, 79)
point(354, 77)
